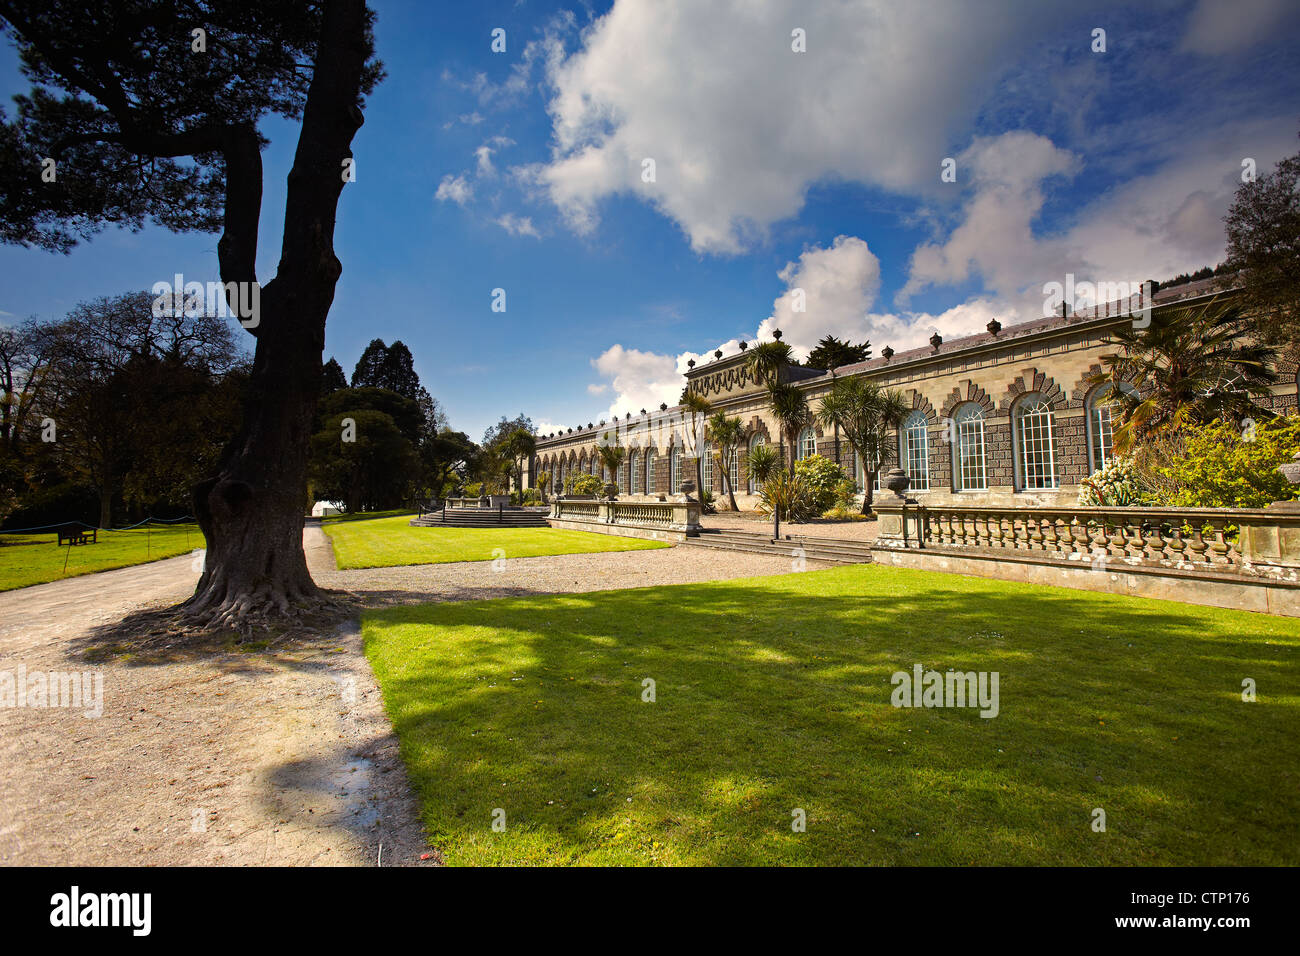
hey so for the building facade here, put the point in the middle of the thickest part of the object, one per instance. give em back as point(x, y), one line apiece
point(1002, 418)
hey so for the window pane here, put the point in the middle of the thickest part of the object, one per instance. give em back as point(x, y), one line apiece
point(916, 452)
point(1037, 455)
point(971, 474)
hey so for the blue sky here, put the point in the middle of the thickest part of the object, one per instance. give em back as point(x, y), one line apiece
point(775, 170)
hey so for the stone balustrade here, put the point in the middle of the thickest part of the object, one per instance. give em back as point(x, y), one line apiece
point(659, 520)
point(1187, 539)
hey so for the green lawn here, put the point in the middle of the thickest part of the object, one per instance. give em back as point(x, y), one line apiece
point(27, 559)
point(773, 694)
point(387, 542)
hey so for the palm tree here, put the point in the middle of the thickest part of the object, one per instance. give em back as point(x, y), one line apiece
point(791, 411)
point(762, 463)
point(865, 413)
point(727, 434)
point(1189, 366)
point(699, 408)
point(611, 456)
point(520, 445)
point(766, 361)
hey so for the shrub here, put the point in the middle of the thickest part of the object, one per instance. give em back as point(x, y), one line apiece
point(846, 495)
point(1223, 465)
point(841, 513)
point(1113, 485)
point(474, 489)
point(788, 496)
point(584, 484)
point(822, 476)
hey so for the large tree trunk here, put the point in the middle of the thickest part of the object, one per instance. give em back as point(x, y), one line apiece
point(105, 507)
point(251, 512)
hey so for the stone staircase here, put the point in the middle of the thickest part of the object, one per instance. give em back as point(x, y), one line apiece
point(833, 550)
point(483, 518)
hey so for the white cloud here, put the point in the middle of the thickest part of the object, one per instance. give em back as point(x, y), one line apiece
point(517, 225)
point(1151, 227)
point(837, 286)
point(1218, 27)
point(597, 388)
point(547, 427)
point(455, 189)
point(740, 126)
point(483, 155)
point(1007, 173)
point(639, 379)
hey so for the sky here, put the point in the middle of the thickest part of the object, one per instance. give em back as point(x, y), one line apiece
point(648, 181)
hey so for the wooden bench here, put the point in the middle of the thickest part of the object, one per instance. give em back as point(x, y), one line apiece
point(71, 534)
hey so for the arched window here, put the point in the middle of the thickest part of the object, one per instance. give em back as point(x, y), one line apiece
point(751, 482)
point(650, 471)
point(636, 474)
point(706, 466)
point(1103, 414)
point(1035, 448)
point(969, 471)
point(807, 444)
point(914, 451)
point(675, 470)
point(733, 468)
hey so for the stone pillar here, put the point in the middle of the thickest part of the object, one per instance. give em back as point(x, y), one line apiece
point(900, 524)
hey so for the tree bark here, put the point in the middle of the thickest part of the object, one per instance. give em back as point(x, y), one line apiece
point(868, 487)
point(251, 511)
point(105, 507)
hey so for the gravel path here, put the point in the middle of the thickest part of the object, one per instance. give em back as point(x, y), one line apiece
point(252, 758)
point(565, 573)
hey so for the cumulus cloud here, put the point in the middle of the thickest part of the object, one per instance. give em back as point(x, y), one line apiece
point(1150, 227)
point(639, 379)
point(828, 292)
point(714, 90)
point(996, 237)
point(455, 189)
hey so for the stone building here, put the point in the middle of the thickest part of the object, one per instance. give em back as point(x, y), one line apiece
point(1005, 417)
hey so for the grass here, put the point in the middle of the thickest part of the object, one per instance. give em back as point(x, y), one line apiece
point(366, 516)
point(773, 694)
point(27, 559)
point(387, 542)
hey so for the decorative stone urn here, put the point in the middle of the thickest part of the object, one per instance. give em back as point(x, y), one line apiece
point(897, 481)
point(611, 491)
point(686, 488)
point(1291, 470)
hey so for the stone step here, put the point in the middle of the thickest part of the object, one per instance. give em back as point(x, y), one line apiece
point(487, 518)
point(826, 549)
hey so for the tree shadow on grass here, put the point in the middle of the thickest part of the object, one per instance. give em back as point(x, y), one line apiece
point(773, 696)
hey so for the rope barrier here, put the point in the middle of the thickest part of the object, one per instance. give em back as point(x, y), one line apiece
point(64, 524)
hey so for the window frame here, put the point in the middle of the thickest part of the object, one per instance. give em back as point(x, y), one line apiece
point(965, 413)
point(1024, 442)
